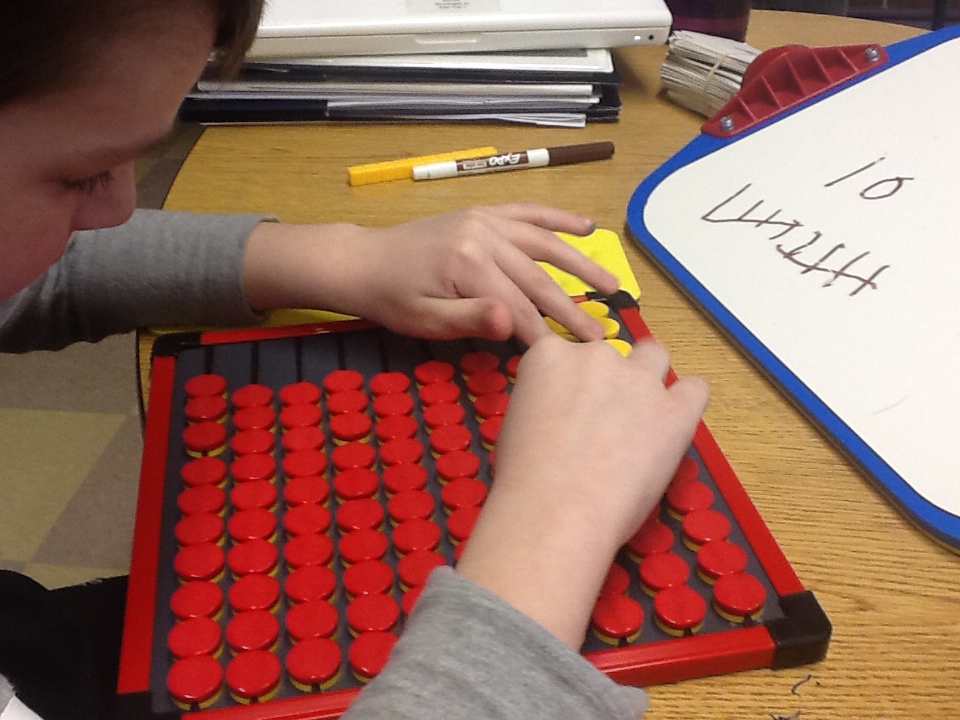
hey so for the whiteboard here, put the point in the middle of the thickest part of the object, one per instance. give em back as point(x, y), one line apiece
point(827, 243)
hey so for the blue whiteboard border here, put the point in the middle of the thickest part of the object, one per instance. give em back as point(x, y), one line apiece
point(942, 526)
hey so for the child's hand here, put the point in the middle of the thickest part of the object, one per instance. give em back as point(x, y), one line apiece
point(470, 273)
point(588, 446)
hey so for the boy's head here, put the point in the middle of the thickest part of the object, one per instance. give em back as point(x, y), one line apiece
point(86, 86)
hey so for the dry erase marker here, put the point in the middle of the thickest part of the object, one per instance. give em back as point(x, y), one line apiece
point(538, 157)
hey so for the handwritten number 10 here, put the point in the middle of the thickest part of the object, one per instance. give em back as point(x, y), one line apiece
point(879, 190)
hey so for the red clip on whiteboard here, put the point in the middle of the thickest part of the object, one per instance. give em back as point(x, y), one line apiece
point(824, 240)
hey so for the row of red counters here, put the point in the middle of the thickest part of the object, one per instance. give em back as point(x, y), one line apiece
point(195, 679)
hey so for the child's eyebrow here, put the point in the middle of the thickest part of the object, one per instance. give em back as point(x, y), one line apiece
point(113, 154)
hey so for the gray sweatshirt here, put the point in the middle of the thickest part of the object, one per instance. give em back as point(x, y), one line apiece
point(464, 653)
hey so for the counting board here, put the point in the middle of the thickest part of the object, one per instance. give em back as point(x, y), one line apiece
point(299, 484)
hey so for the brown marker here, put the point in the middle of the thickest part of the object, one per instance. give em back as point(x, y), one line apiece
point(538, 157)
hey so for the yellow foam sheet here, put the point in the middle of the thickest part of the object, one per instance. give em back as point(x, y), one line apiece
point(602, 246)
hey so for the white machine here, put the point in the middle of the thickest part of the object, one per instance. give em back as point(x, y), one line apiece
point(313, 28)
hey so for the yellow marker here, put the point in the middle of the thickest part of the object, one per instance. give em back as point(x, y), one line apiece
point(401, 169)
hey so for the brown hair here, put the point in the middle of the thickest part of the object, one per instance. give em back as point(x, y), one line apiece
point(44, 44)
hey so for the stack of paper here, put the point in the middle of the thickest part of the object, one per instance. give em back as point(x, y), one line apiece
point(564, 88)
point(703, 72)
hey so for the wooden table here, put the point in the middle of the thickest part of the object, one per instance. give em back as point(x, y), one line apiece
point(891, 593)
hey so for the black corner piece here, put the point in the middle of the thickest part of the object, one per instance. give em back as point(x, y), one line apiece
point(802, 637)
point(620, 300)
point(171, 345)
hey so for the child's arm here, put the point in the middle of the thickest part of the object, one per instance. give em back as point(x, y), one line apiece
point(588, 446)
point(466, 273)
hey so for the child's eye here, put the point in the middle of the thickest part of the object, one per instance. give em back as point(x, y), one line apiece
point(89, 185)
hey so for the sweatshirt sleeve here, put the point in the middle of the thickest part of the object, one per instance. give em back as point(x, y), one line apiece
point(158, 268)
point(466, 654)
